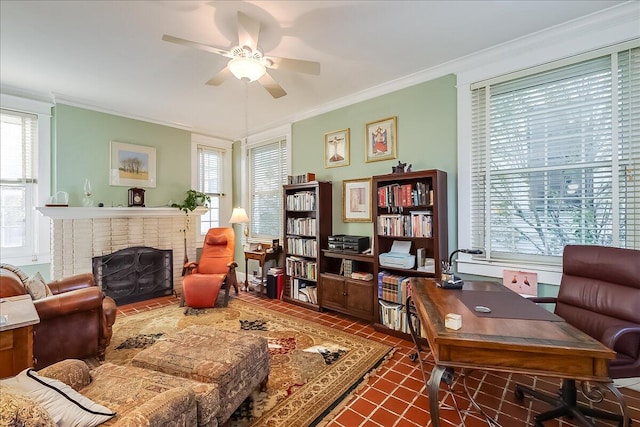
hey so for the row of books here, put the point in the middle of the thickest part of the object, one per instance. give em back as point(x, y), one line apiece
point(304, 291)
point(302, 247)
point(300, 267)
point(302, 226)
point(417, 224)
point(394, 316)
point(302, 201)
point(301, 179)
point(393, 288)
point(405, 195)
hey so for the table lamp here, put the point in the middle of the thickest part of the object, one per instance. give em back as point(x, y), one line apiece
point(239, 216)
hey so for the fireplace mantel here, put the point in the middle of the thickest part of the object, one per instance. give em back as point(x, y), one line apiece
point(80, 233)
point(120, 212)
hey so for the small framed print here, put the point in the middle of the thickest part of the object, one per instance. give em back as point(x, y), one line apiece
point(356, 200)
point(380, 140)
point(132, 165)
point(336, 148)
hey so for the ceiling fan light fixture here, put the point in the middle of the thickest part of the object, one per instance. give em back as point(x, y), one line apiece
point(247, 68)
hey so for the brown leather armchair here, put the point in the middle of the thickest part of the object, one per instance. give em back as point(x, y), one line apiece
point(75, 322)
point(600, 295)
point(214, 270)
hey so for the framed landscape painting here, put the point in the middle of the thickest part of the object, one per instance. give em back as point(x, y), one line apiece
point(132, 165)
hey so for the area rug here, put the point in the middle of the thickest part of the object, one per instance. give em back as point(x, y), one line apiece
point(313, 367)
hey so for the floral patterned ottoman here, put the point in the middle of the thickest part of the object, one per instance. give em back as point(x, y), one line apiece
point(236, 361)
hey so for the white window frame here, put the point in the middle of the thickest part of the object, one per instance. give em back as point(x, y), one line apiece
point(225, 147)
point(40, 245)
point(601, 31)
point(262, 138)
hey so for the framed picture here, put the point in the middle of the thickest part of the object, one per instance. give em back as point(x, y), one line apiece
point(380, 140)
point(132, 165)
point(336, 148)
point(356, 200)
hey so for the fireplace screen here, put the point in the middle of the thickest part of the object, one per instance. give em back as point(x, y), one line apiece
point(135, 274)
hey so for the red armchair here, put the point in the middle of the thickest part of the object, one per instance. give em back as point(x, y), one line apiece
point(75, 322)
point(215, 269)
point(600, 295)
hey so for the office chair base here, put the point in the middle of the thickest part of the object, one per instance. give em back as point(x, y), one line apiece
point(566, 406)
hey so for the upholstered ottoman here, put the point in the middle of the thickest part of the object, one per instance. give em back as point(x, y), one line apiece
point(125, 387)
point(236, 362)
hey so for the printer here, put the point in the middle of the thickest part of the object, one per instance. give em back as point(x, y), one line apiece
point(399, 256)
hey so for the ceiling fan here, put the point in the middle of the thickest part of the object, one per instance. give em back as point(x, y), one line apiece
point(247, 62)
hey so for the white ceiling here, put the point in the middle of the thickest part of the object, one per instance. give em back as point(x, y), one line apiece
point(109, 55)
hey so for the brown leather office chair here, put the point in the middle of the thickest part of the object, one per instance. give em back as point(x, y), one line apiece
point(75, 322)
point(214, 270)
point(600, 295)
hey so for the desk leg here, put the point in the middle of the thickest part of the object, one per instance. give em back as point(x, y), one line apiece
point(437, 375)
point(246, 274)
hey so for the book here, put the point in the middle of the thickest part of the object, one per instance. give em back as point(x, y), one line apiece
point(361, 276)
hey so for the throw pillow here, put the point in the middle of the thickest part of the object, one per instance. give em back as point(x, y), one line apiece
point(16, 409)
point(66, 406)
point(37, 288)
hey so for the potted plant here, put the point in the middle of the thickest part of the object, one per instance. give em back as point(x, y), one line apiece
point(193, 200)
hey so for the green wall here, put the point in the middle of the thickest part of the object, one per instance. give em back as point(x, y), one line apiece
point(426, 126)
point(81, 149)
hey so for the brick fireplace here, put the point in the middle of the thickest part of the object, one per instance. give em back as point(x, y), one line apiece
point(80, 233)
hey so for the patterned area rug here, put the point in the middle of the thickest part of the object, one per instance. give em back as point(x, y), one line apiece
point(312, 367)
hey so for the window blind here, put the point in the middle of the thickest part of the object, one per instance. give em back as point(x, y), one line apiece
point(268, 173)
point(554, 155)
point(210, 181)
point(18, 180)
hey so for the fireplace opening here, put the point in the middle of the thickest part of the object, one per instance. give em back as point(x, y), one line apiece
point(135, 274)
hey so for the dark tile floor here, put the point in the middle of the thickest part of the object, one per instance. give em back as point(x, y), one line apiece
point(395, 396)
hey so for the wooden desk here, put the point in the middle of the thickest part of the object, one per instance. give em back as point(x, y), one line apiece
point(16, 336)
point(533, 347)
point(262, 257)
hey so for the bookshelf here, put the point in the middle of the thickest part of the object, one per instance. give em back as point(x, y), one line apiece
point(411, 209)
point(339, 291)
point(307, 226)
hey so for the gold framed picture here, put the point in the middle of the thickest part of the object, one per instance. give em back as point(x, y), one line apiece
point(132, 165)
point(356, 200)
point(336, 148)
point(381, 140)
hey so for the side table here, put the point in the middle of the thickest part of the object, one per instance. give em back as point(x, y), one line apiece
point(262, 257)
point(16, 334)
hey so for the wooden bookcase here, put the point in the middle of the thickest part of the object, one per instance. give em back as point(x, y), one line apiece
point(410, 208)
point(307, 226)
point(339, 292)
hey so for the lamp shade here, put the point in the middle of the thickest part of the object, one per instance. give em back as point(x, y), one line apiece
point(246, 68)
point(239, 216)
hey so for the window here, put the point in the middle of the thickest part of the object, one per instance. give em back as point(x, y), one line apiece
point(211, 182)
point(555, 158)
point(267, 166)
point(211, 174)
point(24, 180)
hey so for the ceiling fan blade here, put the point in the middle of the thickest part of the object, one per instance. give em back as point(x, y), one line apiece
point(219, 78)
point(248, 31)
point(271, 86)
point(299, 65)
point(196, 45)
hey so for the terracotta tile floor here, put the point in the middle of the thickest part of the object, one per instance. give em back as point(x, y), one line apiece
point(395, 394)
